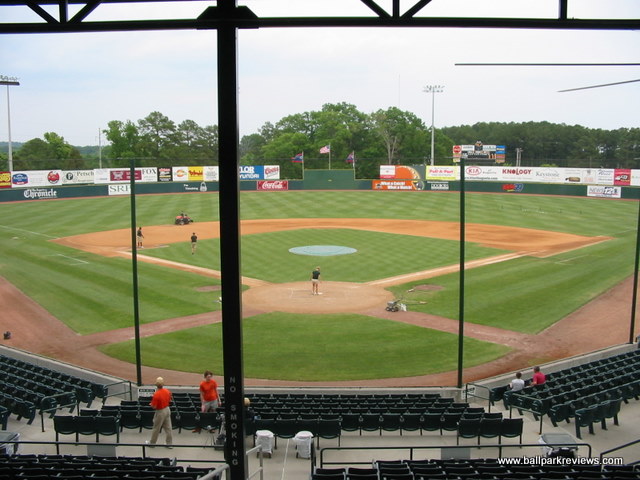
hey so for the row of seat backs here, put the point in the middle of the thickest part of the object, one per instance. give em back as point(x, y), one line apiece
point(372, 422)
point(472, 468)
point(355, 401)
point(542, 401)
point(18, 407)
point(310, 413)
point(86, 425)
point(143, 419)
point(587, 417)
point(344, 396)
point(290, 427)
point(99, 390)
point(627, 363)
point(43, 386)
point(490, 428)
point(38, 399)
point(70, 459)
point(59, 466)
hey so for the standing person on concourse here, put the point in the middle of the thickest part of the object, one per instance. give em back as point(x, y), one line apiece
point(162, 416)
point(209, 398)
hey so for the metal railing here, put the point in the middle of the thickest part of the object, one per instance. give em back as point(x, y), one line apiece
point(145, 448)
point(618, 448)
point(412, 450)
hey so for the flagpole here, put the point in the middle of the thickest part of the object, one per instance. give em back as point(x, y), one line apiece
point(329, 156)
point(302, 164)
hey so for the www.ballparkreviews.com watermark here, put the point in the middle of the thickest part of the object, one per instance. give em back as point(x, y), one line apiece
point(543, 461)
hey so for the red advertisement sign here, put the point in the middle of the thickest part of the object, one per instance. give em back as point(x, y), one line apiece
point(124, 175)
point(273, 185)
point(622, 176)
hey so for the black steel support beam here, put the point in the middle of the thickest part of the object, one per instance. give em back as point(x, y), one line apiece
point(230, 261)
point(75, 25)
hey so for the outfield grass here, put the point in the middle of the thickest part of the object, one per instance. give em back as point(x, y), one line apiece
point(286, 347)
point(91, 293)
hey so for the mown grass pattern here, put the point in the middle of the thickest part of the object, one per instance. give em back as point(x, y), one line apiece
point(525, 295)
point(319, 348)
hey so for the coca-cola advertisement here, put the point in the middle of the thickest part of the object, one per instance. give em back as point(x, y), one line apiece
point(273, 185)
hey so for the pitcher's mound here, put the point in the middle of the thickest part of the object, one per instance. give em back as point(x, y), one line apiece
point(336, 297)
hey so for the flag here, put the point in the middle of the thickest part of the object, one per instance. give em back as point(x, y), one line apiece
point(351, 157)
point(299, 158)
point(326, 149)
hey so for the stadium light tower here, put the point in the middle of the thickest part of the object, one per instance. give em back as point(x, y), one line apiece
point(433, 89)
point(9, 81)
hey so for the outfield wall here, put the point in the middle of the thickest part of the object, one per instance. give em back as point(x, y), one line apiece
point(318, 180)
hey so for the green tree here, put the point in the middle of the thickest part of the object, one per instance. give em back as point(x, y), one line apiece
point(280, 150)
point(124, 140)
point(35, 154)
point(51, 153)
point(403, 135)
point(157, 136)
point(251, 149)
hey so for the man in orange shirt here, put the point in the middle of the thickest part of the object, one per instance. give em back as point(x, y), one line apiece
point(162, 417)
point(209, 398)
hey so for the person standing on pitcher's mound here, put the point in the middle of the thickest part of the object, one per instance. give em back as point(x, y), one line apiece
point(315, 281)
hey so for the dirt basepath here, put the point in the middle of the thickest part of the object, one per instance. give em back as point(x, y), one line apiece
point(602, 323)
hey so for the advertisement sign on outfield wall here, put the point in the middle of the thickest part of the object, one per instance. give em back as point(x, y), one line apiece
point(396, 185)
point(272, 185)
point(622, 177)
point(165, 174)
point(400, 172)
point(604, 176)
point(123, 175)
point(124, 189)
point(77, 177)
point(259, 172)
point(36, 178)
point(211, 174)
point(440, 186)
point(443, 173)
point(5, 179)
point(195, 174)
point(604, 191)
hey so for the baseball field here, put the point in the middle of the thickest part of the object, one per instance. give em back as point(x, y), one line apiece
point(532, 263)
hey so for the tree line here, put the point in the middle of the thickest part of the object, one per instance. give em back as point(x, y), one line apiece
point(348, 137)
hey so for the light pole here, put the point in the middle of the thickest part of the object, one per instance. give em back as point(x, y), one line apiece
point(433, 89)
point(9, 81)
point(519, 156)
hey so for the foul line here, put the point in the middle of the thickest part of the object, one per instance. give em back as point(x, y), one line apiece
point(26, 231)
point(252, 282)
point(443, 270)
point(76, 260)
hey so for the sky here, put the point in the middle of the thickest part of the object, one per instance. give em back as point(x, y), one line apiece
point(74, 84)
